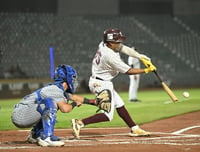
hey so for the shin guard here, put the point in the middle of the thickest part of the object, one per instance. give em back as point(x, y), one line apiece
point(48, 118)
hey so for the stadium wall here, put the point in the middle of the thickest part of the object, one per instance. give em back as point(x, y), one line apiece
point(25, 38)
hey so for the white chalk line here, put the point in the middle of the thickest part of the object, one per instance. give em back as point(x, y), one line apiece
point(134, 140)
point(18, 147)
point(114, 128)
point(185, 129)
point(169, 140)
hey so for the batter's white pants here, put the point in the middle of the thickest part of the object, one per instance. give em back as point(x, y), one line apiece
point(96, 86)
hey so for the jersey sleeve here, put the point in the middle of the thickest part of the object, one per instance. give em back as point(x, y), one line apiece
point(130, 51)
point(53, 92)
point(119, 65)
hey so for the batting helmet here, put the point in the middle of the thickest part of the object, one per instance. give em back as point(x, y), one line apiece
point(66, 73)
point(113, 35)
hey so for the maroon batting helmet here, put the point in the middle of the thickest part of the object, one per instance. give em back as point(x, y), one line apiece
point(113, 35)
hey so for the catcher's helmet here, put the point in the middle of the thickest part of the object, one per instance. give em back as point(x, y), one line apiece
point(113, 35)
point(66, 73)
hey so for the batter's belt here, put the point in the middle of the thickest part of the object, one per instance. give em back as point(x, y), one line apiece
point(97, 78)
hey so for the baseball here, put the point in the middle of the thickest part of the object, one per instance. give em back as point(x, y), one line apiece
point(186, 94)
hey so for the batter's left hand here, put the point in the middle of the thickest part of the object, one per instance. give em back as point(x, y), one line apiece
point(146, 62)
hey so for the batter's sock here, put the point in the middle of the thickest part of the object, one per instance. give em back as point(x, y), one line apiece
point(100, 117)
point(123, 113)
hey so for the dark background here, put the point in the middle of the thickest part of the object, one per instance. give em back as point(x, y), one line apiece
point(82, 7)
point(166, 30)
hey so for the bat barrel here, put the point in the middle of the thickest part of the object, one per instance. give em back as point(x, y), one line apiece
point(166, 88)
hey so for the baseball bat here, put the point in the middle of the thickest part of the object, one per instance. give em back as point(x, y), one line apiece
point(166, 88)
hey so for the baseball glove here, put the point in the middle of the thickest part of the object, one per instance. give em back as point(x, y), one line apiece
point(103, 100)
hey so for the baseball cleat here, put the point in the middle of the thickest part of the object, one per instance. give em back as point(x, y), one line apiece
point(49, 143)
point(76, 126)
point(55, 138)
point(138, 132)
point(32, 137)
point(31, 140)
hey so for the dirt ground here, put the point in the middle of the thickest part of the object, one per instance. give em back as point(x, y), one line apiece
point(176, 134)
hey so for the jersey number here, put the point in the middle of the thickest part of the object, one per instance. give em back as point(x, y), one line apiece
point(97, 57)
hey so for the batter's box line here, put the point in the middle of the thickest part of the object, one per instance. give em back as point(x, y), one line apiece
point(104, 135)
point(126, 134)
point(88, 137)
point(178, 134)
point(186, 129)
point(70, 129)
point(18, 147)
point(131, 141)
point(169, 137)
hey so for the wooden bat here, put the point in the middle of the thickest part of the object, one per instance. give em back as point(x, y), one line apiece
point(166, 88)
point(148, 63)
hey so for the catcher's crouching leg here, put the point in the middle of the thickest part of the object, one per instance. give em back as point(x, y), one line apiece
point(48, 123)
point(48, 118)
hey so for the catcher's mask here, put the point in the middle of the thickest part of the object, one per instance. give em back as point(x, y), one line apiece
point(66, 73)
point(113, 35)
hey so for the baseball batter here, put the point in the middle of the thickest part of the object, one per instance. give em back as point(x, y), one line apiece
point(134, 79)
point(106, 65)
point(38, 109)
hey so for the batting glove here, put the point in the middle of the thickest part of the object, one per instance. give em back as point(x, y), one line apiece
point(151, 68)
point(146, 62)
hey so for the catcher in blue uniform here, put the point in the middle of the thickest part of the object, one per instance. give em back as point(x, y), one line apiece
point(38, 109)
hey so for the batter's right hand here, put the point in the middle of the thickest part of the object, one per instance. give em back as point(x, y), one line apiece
point(151, 68)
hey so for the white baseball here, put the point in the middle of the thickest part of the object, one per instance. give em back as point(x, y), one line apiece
point(186, 94)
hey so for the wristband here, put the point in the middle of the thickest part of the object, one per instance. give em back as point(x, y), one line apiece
point(89, 101)
point(73, 104)
point(86, 101)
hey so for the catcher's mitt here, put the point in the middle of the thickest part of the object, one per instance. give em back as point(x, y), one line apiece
point(103, 100)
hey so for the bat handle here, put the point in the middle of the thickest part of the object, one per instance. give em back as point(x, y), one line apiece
point(159, 78)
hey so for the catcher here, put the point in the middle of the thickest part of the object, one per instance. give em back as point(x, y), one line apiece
point(38, 109)
point(106, 65)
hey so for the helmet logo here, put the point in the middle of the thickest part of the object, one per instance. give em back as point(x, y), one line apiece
point(110, 36)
